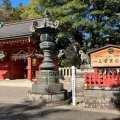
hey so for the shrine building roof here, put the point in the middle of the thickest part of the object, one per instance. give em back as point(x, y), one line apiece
point(17, 29)
point(104, 47)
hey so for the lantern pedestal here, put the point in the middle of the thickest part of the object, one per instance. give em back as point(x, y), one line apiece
point(47, 88)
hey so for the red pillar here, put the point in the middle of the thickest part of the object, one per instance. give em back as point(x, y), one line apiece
point(95, 70)
point(29, 67)
point(12, 66)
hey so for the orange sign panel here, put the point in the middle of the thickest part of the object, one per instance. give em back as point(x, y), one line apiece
point(106, 57)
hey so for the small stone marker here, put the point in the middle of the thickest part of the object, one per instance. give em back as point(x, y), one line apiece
point(73, 86)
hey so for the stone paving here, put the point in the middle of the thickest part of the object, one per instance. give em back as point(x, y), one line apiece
point(16, 83)
point(14, 95)
point(14, 91)
point(13, 107)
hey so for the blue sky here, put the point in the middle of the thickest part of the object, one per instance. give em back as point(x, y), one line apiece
point(15, 2)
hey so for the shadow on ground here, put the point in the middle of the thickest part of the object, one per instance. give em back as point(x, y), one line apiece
point(26, 112)
point(110, 119)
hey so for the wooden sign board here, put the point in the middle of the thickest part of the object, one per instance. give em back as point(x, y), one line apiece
point(108, 57)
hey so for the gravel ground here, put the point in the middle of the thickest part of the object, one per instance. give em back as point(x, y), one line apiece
point(12, 107)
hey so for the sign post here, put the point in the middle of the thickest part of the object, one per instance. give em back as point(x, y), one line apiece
point(73, 86)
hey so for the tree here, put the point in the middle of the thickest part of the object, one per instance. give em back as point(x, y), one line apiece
point(9, 13)
point(103, 23)
point(32, 10)
point(70, 58)
point(16, 13)
point(5, 10)
point(68, 12)
point(20, 4)
point(87, 23)
point(6, 4)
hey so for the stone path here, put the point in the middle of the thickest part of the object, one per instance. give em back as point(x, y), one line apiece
point(14, 95)
point(12, 107)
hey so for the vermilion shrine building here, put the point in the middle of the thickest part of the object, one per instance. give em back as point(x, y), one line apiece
point(17, 41)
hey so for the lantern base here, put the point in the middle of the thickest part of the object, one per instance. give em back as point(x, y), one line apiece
point(47, 97)
point(51, 88)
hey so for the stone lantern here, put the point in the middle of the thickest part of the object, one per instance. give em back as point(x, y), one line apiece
point(47, 87)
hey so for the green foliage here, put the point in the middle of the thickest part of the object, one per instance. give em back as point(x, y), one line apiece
point(68, 13)
point(81, 16)
point(71, 58)
point(103, 30)
point(99, 18)
point(9, 13)
point(32, 10)
point(6, 4)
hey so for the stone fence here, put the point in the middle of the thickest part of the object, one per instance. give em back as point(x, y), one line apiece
point(67, 72)
point(65, 75)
